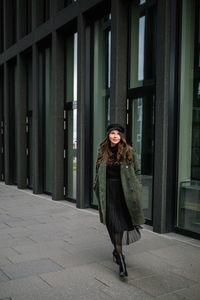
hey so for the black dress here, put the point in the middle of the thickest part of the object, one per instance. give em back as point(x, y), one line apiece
point(118, 219)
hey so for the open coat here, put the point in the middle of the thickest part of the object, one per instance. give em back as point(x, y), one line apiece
point(131, 185)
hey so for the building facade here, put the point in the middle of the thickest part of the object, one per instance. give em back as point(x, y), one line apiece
point(69, 68)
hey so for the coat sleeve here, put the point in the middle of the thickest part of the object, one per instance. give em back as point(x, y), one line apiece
point(137, 167)
point(95, 184)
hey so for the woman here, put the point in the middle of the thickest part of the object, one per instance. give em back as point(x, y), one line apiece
point(118, 189)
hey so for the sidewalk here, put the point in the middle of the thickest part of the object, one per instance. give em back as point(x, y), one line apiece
point(52, 250)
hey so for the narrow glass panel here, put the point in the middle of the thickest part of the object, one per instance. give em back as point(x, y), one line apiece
point(30, 125)
point(69, 68)
point(109, 57)
point(143, 142)
point(188, 206)
point(68, 2)
point(71, 98)
point(75, 67)
point(142, 44)
point(71, 155)
point(15, 122)
point(199, 60)
point(1, 27)
point(48, 123)
point(28, 16)
point(100, 108)
point(141, 48)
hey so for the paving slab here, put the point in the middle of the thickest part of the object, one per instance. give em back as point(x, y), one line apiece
point(16, 287)
point(162, 284)
point(52, 250)
point(191, 292)
point(30, 268)
point(3, 276)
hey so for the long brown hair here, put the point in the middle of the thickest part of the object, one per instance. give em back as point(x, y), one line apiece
point(104, 151)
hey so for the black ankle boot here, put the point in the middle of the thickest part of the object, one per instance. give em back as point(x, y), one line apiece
point(122, 265)
point(115, 256)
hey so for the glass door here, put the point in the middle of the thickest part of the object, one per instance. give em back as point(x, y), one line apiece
point(70, 118)
point(141, 92)
point(141, 137)
point(188, 198)
point(101, 85)
point(45, 120)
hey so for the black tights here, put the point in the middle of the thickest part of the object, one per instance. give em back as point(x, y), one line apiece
point(118, 241)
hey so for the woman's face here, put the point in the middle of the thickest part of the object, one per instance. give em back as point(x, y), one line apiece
point(114, 137)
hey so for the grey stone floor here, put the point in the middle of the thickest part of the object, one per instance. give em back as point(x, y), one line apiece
point(52, 250)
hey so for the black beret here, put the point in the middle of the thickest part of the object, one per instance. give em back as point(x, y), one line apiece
point(118, 127)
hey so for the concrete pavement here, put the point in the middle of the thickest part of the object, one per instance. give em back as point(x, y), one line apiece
point(52, 250)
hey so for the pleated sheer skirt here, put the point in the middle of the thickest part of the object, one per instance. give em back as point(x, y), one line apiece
point(118, 219)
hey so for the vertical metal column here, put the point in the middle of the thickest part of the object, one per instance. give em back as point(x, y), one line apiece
point(119, 44)
point(21, 125)
point(82, 191)
point(58, 117)
point(6, 127)
point(37, 186)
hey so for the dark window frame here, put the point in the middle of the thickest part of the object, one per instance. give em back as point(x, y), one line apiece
point(178, 30)
point(149, 85)
point(107, 28)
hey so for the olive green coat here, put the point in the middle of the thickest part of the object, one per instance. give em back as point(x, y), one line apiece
point(131, 184)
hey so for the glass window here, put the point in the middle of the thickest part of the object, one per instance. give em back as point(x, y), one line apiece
point(142, 139)
point(28, 16)
point(188, 210)
point(71, 117)
point(48, 123)
point(11, 23)
point(12, 96)
point(29, 123)
point(1, 27)
point(141, 92)
point(142, 43)
point(67, 2)
point(101, 85)
point(46, 9)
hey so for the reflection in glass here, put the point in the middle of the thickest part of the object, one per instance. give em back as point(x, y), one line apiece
point(143, 142)
point(71, 98)
point(15, 122)
point(30, 123)
point(48, 123)
point(71, 154)
point(109, 57)
point(142, 44)
point(141, 48)
point(101, 79)
point(142, 2)
point(188, 206)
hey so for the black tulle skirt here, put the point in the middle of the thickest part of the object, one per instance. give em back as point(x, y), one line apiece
point(118, 219)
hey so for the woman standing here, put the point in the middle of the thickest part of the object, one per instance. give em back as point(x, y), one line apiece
point(118, 189)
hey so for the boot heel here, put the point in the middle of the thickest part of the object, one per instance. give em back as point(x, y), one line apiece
point(122, 266)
